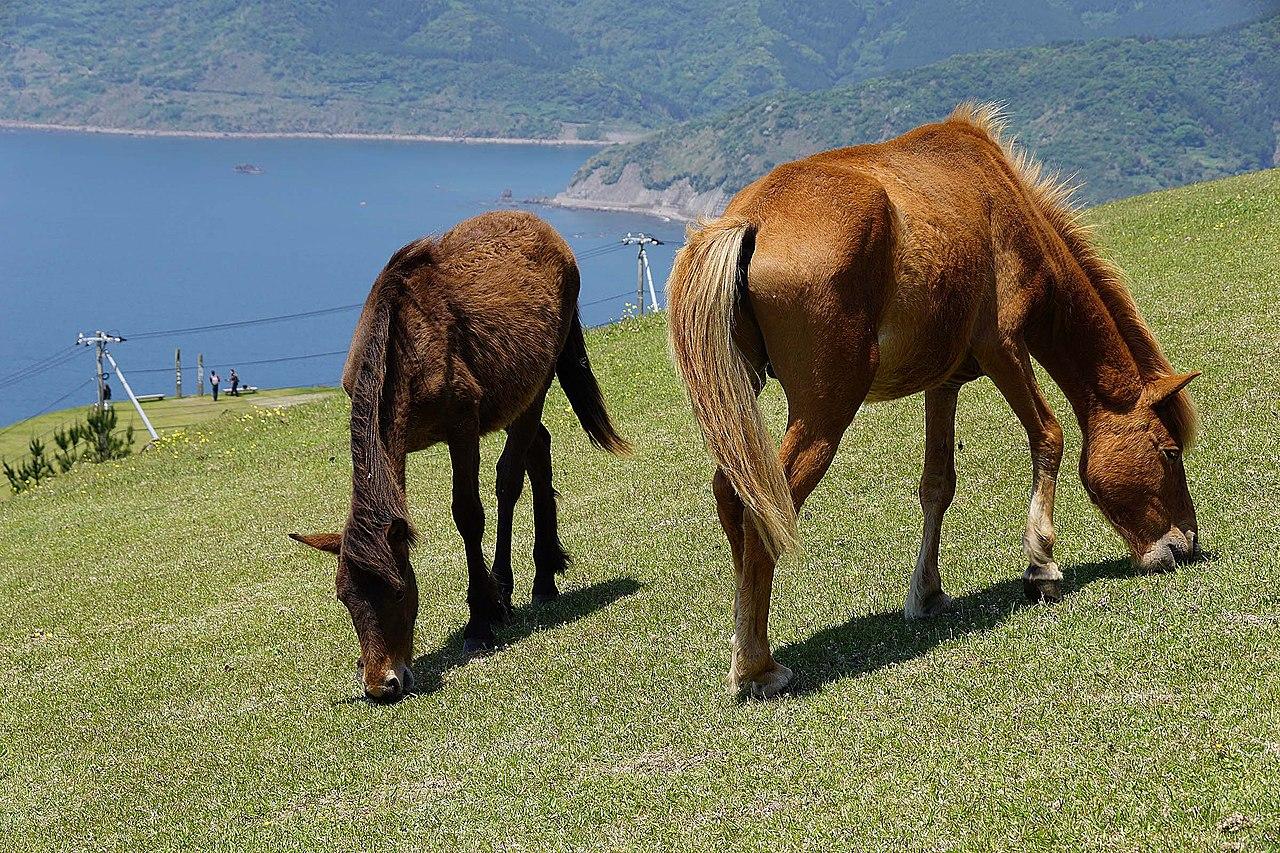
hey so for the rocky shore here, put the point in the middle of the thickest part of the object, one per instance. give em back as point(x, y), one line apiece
point(677, 201)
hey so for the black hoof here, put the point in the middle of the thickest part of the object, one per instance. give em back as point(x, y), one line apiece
point(1044, 590)
point(472, 646)
point(543, 596)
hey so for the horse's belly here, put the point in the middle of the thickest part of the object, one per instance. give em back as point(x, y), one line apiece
point(916, 353)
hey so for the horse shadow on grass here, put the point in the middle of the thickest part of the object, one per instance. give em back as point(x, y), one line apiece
point(867, 643)
point(429, 669)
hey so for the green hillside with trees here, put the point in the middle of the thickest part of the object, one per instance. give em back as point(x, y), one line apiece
point(1125, 115)
point(521, 68)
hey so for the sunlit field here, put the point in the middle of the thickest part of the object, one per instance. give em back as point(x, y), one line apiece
point(178, 673)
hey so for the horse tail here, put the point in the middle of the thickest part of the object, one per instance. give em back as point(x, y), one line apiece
point(379, 509)
point(702, 295)
point(574, 371)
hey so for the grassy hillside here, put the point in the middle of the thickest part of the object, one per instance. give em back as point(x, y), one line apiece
point(180, 675)
point(167, 416)
point(1127, 116)
point(519, 68)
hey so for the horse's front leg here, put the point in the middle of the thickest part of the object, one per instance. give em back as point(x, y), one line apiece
point(1012, 373)
point(937, 488)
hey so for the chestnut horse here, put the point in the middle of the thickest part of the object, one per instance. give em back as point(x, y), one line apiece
point(874, 272)
point(460, 336)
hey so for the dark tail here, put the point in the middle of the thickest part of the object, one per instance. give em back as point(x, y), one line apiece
point(579, 384)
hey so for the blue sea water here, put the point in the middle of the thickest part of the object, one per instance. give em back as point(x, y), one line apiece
point(134, 235)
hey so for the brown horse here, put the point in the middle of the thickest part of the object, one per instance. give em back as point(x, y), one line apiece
point(460, 336)
point(918, 264)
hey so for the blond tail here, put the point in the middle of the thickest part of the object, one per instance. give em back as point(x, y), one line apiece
point(702, 295)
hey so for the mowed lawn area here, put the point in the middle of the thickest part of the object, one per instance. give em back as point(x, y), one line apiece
point(169, 416)
point(178, 673)
point(166, 415)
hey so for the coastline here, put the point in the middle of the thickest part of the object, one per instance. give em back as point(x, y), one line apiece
point(561, 200)
point(656, 211)
point(46, 127)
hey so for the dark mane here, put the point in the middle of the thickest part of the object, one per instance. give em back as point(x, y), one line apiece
point(410, 255)
point(379, 522)
point(1055, 198)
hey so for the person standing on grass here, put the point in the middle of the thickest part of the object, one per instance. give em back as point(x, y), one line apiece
point(213, 383)
point(235, 383)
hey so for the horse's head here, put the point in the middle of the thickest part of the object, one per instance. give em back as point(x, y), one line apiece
point(1131, 467)
point(383, 603)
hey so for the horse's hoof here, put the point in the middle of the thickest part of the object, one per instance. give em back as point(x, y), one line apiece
point(543, 596)
point(766, 684)
point(1042, 584)
point(938, 604)
point(474, 646)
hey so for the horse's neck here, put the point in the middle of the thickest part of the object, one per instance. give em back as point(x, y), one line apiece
point(1080, 345)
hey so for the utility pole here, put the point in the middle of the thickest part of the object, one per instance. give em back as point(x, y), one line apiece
point(100, 340)
point(200, 374)
point(643, 272)
point(177, 373)
point(125, 382)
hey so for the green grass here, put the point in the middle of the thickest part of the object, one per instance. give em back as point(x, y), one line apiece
point(179, 675)
point(165, 415)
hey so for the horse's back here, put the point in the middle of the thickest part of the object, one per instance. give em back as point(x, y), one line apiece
point(927, 197)
point(483, 321)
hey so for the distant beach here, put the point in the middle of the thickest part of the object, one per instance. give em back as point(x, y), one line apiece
point(245, 134)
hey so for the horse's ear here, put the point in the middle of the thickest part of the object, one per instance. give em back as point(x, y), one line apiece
point(400, 530)
point(1159, 390)
point(331, 542)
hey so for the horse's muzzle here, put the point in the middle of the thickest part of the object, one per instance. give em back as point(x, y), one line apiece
point(1176, 546)
point(395, 682)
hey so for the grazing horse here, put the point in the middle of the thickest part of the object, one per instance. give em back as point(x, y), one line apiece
point(917, 264)
point(460, 336)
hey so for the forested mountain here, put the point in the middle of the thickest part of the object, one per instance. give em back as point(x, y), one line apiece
point(1125, 115)
point(515, 68)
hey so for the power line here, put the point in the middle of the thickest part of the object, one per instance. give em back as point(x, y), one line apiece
point(257, 321)
point(598, 251)
point(604, 299)
point(240, 363)
point(284, 358)
point(59, 358)
point(48, 407)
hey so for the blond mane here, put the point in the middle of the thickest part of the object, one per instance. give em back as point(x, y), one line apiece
point(1056, 198)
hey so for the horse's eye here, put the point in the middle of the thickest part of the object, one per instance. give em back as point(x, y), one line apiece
point(1170, 453)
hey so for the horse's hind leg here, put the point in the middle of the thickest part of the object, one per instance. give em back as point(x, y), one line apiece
point(807, 451)
point(549, 557)
point(468, 514)
point(508, 487)
point(937, 488)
